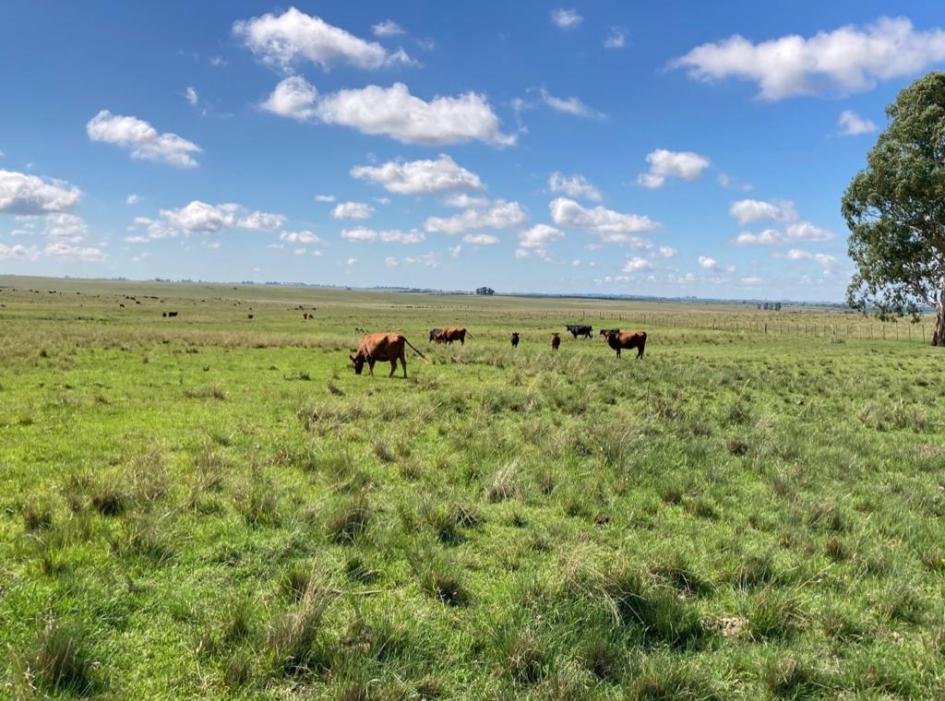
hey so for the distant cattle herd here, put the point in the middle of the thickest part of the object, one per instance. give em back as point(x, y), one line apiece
point(389, 347)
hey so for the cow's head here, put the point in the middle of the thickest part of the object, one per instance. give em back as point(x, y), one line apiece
point(358, 362)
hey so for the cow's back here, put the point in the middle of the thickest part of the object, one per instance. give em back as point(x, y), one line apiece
point(381, 346)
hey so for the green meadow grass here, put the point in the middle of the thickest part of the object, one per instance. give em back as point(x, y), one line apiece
point(214, 506)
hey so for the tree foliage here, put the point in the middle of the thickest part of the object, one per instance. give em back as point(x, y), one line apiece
point(895, 210)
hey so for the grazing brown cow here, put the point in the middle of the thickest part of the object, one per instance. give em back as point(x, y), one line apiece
point(619, 340)
point(515, 339)
point(450, 334)
point(434, 334)
point(382, 347)
point(555, 341)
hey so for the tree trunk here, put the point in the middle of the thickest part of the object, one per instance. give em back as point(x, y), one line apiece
point(938, 335)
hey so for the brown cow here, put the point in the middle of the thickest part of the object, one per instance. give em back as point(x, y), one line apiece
point(555, 341)
point(382, 347)
point(619, 340)
point(450, 334)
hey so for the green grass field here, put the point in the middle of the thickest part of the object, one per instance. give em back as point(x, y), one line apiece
point(213, 506)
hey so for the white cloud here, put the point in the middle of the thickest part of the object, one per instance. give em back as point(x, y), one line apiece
point(381, 200)
point(392, 112)
point(500, 215)
point(666, 252)
point(566, 19)
point(463, 200)
point(422, 177)
point(136, 239)
point(613, 227)
point(191, 95)
point(616, 38)
point(353, 210)
point(568, 105)
point(299, 237)
point(428, 260)
point(261, 221)
point(481, 239)
point(852, 124)
point(707, 263)
point(847, 60)
point(292, 37)
point(324, 198)
point(19, 252)
point(30, 194)
point(387, 28)
point(391, 262)
point(56, 250)
point(65, 227)
point(455, 250)
point(729, 183)
point(672, 164)
point(142, 139)
point(200, 217)
point(748, 211)
point(365, 235)
point(792, 233)
point(536, 239)
point(636, 265)
point(351, 261)
point(824, 260)
point(751, 280)
point(132, 199)
point(575, 186)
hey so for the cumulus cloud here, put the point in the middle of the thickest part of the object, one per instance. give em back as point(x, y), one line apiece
point(846, 60)
point(824, 260)
point(795, 229)
point(463, 200)
point(500, 215)
point(616, 38)
point(392, 112)
point(637, 265)
point(282, 41)
point(200, 217)
point(575, 186)
point(353, 210)
point(748, 211)
point(672, 164)
point(568, 105)
point(422, 177)
point(852, 124)
point(132, 199)
point(142, 140)
point(365, 235)
point(57, 250)
point(30, 194)
point(305, 237)
point(536, 239)
point(566, 18)
point(387, 28)
point(708, 263)
point(481, 239)
point(666, 252)
point(613, 227)
point(65, 227)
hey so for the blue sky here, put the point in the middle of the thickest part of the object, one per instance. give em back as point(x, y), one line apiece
point(608, 147)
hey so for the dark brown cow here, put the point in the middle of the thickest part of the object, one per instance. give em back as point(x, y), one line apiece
point(619, 340)
point(450, 334)
point(515, 339)
point(555, 341)
point(434, 333)
point(381, 347)
point(606, 332)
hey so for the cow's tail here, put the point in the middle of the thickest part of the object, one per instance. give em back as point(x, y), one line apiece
point(416, 351)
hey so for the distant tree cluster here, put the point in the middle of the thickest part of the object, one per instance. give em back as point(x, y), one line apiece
point(770, 306)
point(487, 291)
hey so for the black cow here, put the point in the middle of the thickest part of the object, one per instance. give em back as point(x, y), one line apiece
point(515, 339)
point(606, 332)
point(579, 330)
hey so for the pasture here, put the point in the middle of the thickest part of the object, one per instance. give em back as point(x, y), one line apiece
point(212, 506)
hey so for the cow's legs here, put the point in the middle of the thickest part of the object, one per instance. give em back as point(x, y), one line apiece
point(371, 366)
point(393, 366)
point(618, 352)
point(403, 363)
